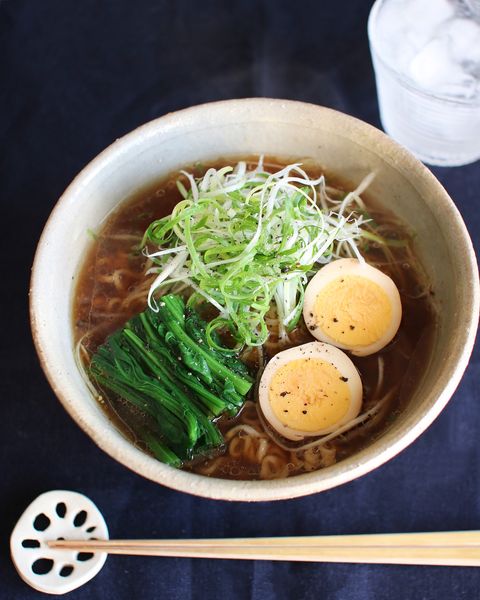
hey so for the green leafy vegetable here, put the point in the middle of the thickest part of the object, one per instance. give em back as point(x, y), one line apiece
point(161, 364)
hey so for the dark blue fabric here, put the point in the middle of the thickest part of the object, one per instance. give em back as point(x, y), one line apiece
point(75, 75)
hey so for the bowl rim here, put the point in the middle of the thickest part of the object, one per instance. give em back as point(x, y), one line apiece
point(300, 485)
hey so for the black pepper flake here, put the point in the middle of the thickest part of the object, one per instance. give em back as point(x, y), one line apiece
point(285, 410)
point(344, 378)
point(311, 314)
point(304, 412)
point(283, 394)
point(343, 332)
point(335, 320)
point(342, 280)
point(312, 327)
point(352, 327)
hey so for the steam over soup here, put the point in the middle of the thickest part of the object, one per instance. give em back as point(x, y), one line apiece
point(252, 321)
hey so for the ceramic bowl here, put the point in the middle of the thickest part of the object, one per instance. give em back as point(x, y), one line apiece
point(341, 144)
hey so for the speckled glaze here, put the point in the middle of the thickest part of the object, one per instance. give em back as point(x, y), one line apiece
point(342, 145)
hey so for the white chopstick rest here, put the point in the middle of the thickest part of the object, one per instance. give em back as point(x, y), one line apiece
point(58, 514)
point(61, 542)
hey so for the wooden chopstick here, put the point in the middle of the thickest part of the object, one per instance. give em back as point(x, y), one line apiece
point(457, 548)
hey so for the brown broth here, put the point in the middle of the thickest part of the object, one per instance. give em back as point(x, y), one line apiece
point(113, 272)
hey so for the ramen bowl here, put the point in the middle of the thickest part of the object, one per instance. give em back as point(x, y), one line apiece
point(342, 145)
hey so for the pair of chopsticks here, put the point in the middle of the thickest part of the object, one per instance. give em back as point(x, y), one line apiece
point(454, 548)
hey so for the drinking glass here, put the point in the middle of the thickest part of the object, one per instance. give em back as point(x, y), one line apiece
point(428, 91)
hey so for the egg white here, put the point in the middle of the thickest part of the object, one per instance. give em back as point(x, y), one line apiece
point(324, 352)
point(345, 267)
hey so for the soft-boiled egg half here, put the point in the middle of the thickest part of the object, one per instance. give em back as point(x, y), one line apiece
point(353, 306)
point(309, 390)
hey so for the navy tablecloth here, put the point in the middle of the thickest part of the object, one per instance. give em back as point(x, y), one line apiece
point(74, 76)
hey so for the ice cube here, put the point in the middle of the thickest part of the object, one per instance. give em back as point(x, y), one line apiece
point(389, 26)
point(434, 70)
point(423, 17)
point(405, 26)
point(464, 37)
point(428, 13)
point(390, 33)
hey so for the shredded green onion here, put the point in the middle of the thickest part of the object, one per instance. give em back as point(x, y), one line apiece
point(246, 239)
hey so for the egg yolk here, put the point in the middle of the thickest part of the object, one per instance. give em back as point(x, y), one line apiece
point(309, 394)
point(353, 310)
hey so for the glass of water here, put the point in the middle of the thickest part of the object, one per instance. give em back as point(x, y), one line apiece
point(426, 56)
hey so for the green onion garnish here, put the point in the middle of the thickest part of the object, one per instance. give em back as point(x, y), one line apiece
point(246, 239)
